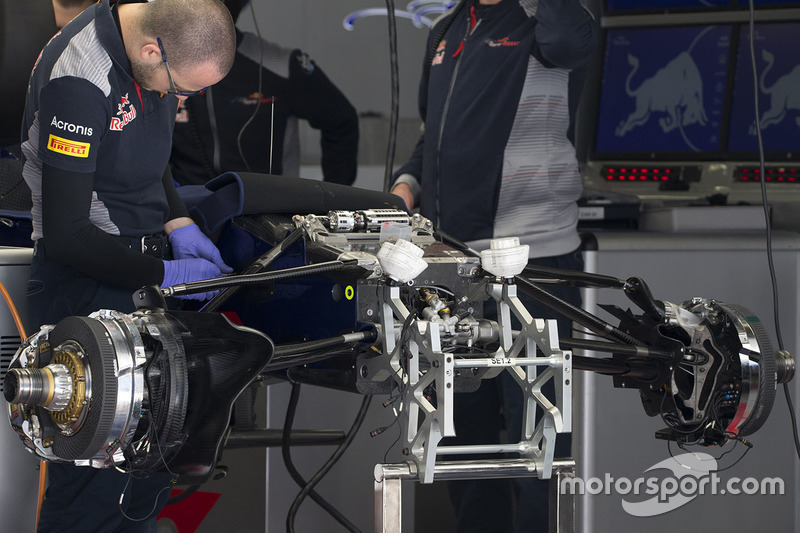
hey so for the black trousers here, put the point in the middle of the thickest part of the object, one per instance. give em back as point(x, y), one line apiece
point(85, 499)
point(507, 505)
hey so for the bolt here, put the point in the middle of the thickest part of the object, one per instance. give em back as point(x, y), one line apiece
point(435, 364)
point(364, 371)
point(449, 385)
point(474, 371)
point(566, 382)
point(370, 312)
point(405, 451)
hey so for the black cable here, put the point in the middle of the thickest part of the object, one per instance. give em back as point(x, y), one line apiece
point(765, 205)
point(183, 495)
point(334, 458)
point(148, 515)
point(395, 89)
point(793, 418)
point(763, 180)
point(153, 430)
point(749, 447)
point(298, 478)
point(396, 439)
point(726, 452)
point(381, 430)
point(197, 139)
point(718, 470)
point(260, 96)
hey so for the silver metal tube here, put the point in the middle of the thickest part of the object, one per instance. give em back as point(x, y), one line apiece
point(481, 448)
point(500, 468)
point(505, 361)
point(389, 478)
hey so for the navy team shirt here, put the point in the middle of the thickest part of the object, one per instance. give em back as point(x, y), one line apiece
point(85, 113)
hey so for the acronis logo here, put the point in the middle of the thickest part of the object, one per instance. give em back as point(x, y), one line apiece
point(421, 13)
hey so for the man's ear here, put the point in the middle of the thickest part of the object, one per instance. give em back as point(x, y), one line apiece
point(150, 52)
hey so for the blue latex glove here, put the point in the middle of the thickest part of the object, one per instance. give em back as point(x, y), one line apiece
point(190, 242)
point(193, 269)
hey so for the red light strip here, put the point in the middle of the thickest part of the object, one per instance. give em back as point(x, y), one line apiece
point(640, 174)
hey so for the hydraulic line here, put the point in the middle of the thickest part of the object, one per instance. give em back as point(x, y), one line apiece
point(307, 489)
point(251, 279)
point(331, 342)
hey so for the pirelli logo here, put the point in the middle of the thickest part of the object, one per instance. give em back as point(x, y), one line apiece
point(67, 147)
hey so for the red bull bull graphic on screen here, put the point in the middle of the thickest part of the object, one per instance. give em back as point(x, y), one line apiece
point(778, 80)
point(663, 90)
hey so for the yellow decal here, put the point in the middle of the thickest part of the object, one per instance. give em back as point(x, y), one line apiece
point(349, 292)
point(67, 147)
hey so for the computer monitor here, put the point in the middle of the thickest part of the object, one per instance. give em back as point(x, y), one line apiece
point(745, 3)
point(640, 6)
point(778, 77)
point(662, 93)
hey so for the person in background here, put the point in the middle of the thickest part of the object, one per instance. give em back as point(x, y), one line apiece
point(96, 139)
point(249, 121)
point(499, 90)
point(66, 10)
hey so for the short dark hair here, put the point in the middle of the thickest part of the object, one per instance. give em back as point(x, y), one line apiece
point(193, 32)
